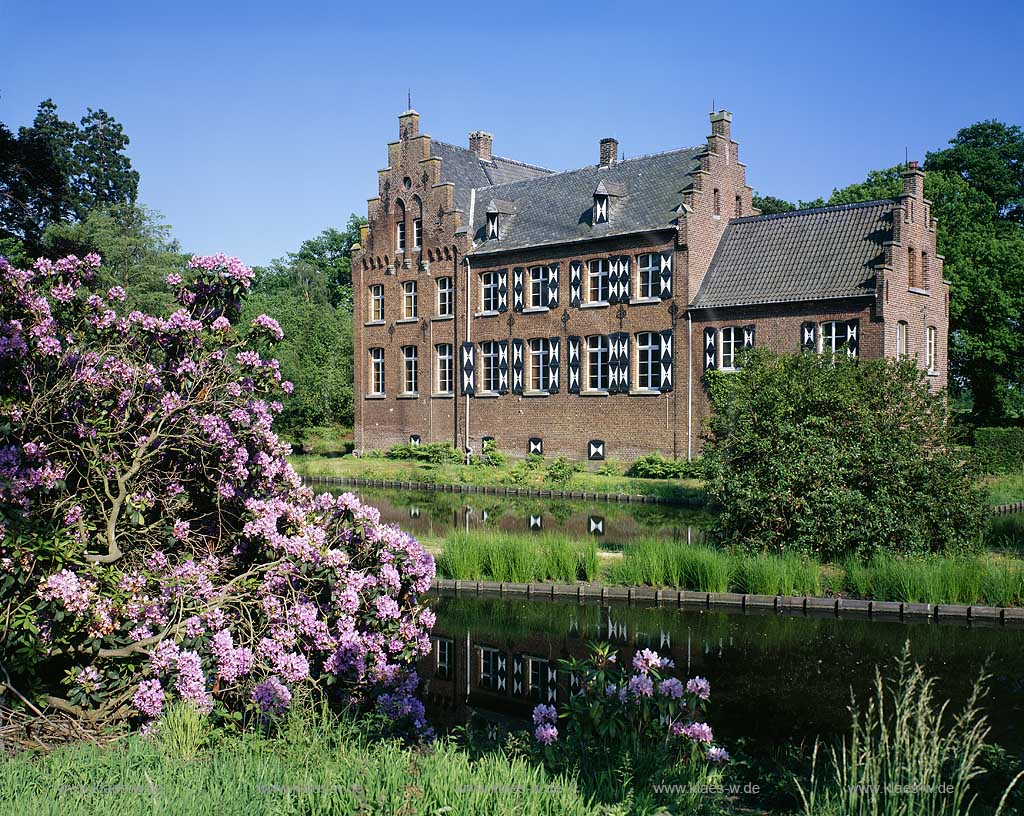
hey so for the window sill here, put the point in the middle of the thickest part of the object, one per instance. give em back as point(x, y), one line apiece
point(932, 373)
point(644, 392)
point(438, 318)
point(375, 396)
point(594, 392)
point(594, 304)
point(408, 320)
point(536, 393)
point(443, 395)
point(914, 290)
point(535, 309)
point(374, 323)
point(486, 314)
point(645, 301)
point(487, 395)
point(728, 369)
point(408, 395)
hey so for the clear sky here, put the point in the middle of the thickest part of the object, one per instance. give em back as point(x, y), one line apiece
point(255, 125)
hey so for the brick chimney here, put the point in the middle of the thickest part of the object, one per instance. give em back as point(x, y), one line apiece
point(913, 180)
point(721, 124)
point(609, 151)
point(408, 125)
point(480, 143)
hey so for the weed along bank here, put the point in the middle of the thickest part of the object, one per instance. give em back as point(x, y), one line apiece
point(577, 313)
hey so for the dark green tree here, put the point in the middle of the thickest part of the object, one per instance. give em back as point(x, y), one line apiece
point(770, 205)
point(331, 254)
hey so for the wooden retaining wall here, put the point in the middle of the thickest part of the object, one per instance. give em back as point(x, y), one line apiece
point(850, 608)
point(1007, 509)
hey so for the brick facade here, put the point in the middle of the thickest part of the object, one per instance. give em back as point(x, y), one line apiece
point(415, 186)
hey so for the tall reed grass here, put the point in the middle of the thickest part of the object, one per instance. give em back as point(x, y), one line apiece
point(936, 579)
point(483, 555)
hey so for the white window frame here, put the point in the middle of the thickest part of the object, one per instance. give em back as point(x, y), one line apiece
point(376, 371)
point(489, 356)
point(538, 286)
point(410, 300)
point(901, 339)
point(731, 344)
point(377, 302)
point(540, 361)
point(444, 297)
point(410, 369)
point(445, 368)
point(832, 336)
point(598, 362)
point(599, 274)
point(648, 277)
point(931, 336)
point(400, 236)
point(489, 292)
point(648, 361)
point(417, 233)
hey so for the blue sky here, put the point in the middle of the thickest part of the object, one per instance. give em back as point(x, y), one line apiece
point(255, 125)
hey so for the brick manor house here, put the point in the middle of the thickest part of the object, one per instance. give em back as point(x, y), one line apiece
point(575, 313)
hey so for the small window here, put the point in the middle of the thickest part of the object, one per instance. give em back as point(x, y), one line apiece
point(489, 668)
point(597, 281)
point(538, 286)
point(376, 371)
point(445, 369)
point(377, 302)
point(444, 659)
point(600, 209)
point(649, 280)
point(929, 350)
point(738, 210)
point(409, 305)
point(901, 339)
point(925, 271)
point(444, 296)
point(489, 364)
point(401, 236)
point(417, 233)
point(489, 291)
point(410, 359)
point(598, 362)
point(492, 226)
point(732, 342)
point(540, 359)
point(648, 362)
point(718, 203)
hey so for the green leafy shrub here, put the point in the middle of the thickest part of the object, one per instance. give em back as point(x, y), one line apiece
point(656, 466)
point(434, 453)
point(561, 471)
point(490, 456)
point(832, 457)
point(999, 450)
point(611, 467)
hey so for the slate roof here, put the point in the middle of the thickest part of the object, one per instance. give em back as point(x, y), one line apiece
point(463, 167)
point(556, 208)
point(827, 252)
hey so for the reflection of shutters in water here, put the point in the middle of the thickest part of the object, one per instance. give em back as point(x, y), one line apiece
point(489, 668)
point(664, 639)
point(517, 674)
point(502, 674)
point(551, 692)
point(414, 512)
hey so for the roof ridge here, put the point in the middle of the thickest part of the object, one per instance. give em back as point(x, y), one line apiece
point(493, 158)
point(813, 210)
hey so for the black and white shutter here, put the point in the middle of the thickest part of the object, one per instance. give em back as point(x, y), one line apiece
point(624, 284)
point(517, 366)
point(553, 366)
point(710, 350)
point(666, 360)
point(666, 275)
point(613, 280)
point(853, 337)
point(573, 358)
point(503, 367)
point(807, 338)
point(595, 450)
point(468, 369)
point(748, 336)
point(517, 288)
point(502, 290)
point(618, 363)
point(575, 283)
point(551, 298)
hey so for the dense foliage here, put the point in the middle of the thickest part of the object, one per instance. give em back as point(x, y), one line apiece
point(155, 543)
point(656, 466)
point(836, 457)
point(1000, 450)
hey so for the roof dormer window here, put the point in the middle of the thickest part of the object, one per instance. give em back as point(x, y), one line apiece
point(492, 226)
point(600, 209)
point(603, 195)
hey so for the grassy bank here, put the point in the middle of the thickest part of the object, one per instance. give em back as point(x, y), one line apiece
point(478, 556)
point(320, 766)
point(1005, 489)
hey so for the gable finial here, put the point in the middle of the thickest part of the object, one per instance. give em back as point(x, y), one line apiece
point(409, 99)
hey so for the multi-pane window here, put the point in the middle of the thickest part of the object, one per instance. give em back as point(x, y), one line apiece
point(929, 349)
point(598, 362)
point(597, 281)
point(400, 236)
point(444, 659)
point(833, 335)
point(649, 279)
point(409, 299)
point(489, 667)
point(445, 369)
point(540, 359)
point(376, 371)
point(417, 233)
point(410, 360)
point(489, 297)
point(537, 677)
point(377, 302)
point(648, 360)
point(732, 342)
point(444, 296)
point(538, 285)
point(901, 339)
point(489, 365)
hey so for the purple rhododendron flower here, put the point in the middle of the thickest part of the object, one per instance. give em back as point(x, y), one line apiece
point(717, 755)
point(544, 714)
point(671, 687)
point(149, 699)
point(699, 687)
point(272, 696)
point(546, 733)
point(645, 660)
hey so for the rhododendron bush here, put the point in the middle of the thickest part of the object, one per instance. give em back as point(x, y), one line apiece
point(154, 542)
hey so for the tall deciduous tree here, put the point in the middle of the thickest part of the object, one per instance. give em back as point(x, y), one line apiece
point(330, 253)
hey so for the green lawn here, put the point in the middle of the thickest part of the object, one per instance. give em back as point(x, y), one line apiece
point(1005, 489)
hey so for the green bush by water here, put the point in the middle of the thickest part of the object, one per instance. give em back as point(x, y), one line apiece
point(486, 556)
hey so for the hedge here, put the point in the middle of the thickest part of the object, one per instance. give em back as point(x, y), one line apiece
point(999, 450)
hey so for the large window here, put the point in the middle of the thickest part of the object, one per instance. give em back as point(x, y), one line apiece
point(648, 362)
point(538, 286)
point(410, 359)
point(376, 371)
point(732, 342)
point(377, 302)
point(489, 292)
point(929, 349)
point(901, 339)
point(598, 356)
point(409, 307)
point(540, 359)
point(649, 279)
point(417, 233)
point(445, 369)
point(489, 363)
point(444, 296)
point(833, 335)
point(400, 236)
point(597, 281)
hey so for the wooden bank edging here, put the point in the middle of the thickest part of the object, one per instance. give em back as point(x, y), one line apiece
point(497, 490)
point(852, 608)
point(1008, 509)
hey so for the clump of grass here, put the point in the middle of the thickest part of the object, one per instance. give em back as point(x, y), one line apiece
point(788, 574)
point(483, 555)
point(937, 579)
point(1006, 533)
point(669, 563)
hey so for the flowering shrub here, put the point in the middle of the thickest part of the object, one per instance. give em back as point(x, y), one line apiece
point(154, 542)
point(640, 716)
